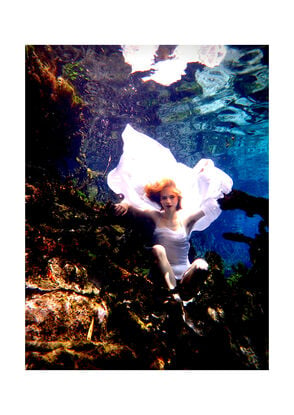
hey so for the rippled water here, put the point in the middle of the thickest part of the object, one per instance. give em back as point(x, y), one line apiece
point(227, 120)
point(219, 113)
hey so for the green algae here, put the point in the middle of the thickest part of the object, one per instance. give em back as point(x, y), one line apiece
point(75, 70)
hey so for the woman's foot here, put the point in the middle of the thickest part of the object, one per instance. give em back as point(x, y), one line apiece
point(174, 295)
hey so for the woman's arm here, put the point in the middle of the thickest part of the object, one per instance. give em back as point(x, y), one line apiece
point(190, 220)
point(209, 207)
point(122, 208)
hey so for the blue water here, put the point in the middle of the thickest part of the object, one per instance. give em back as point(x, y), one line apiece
point(219, 113)
point(227, 122)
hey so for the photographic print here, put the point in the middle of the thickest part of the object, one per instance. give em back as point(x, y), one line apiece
point(147, 207)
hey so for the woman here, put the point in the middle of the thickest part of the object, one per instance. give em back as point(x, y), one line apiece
point(173, 226)
point(175, 213)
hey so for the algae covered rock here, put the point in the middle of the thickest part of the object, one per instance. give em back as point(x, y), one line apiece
point(91, 301)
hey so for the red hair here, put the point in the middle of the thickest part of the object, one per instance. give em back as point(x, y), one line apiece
point(153, 191)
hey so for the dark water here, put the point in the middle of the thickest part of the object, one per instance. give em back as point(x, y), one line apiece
point(219, 113)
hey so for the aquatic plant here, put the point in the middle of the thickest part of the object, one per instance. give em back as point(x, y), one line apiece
point(238, 272)
point(74, 70)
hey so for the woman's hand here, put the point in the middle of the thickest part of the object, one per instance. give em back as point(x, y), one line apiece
point(121, 209)
point(210, 207)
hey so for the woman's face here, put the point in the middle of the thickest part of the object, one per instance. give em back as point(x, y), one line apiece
point(168, 199)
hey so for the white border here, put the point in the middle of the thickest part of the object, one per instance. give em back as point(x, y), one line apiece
point(127, 22)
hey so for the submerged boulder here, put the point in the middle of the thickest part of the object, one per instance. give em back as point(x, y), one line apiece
point(91, 302)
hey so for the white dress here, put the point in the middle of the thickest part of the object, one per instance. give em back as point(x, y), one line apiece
point(144, 161)
point(177, 247)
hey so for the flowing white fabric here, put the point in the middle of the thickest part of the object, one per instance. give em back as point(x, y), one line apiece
point(144, 161)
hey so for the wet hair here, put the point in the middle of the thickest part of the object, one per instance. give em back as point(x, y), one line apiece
point(153, 191)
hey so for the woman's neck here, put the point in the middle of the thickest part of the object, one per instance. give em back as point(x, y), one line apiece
point(172, 219)
point(169, 216)
point(169, 220)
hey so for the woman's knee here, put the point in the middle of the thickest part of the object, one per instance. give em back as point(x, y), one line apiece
point(200, 263)
point(197, 272)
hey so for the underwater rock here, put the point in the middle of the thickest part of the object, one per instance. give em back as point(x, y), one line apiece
point(69, 355)
point(59, 315)
point(252, 205)
point(91, 302)
point(54, 114)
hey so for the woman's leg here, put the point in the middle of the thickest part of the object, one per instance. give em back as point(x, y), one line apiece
point(161, 261)
point(194, 276)
point(163, 264)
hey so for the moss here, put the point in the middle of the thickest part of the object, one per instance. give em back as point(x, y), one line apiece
point(82, 195)
point(143, 326)
point(119, 229)
point(189, 86)
point(239, 271)
point(75, 70)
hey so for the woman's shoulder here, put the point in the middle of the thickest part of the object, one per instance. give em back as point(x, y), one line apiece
point(153, 214)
